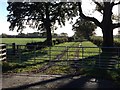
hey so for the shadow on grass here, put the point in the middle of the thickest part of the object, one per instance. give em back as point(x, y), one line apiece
point(103, 66)
point(16, 62)
point(101, 61)
point(94, 78)
point(24, 55)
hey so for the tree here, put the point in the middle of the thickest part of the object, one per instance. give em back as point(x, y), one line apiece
point(107, 25)
point(55, 35)
point(84, 28)
point(118, 32)
point(21, 35)
point(40, 15)
point(3, 35)
point(64, 34)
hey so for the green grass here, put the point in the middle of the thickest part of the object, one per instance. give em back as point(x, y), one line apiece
point(71, 51)
point(89, 49)
point(28, 58)
point(117, 39)
point(67, 69)
point(21, 40)
point(41, 56)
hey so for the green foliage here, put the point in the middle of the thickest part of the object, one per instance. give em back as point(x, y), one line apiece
point(3, 35)
point(61, 40)
point(96, 40)
point(70, 39)
point(10, 66)
point(117, 42)
point(39, 15)
point(83, 28)
point(36, 45)
point(99, 40)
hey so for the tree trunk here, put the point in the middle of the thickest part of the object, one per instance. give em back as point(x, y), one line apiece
point(107, 38)
point(107, 28)
point(49, 36)
point(48, 26)
point(106, 25)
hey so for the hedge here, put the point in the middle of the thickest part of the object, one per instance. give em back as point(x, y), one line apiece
point(39, 45)
point(99, 40)
point(61, 40)
point(96, 40)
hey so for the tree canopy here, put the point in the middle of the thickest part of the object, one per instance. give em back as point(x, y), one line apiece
point(40, 15)
point(84, 28)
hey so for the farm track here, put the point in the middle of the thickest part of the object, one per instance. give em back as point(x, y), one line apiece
point(75, 61)
point(50, 64)
point(76, 54)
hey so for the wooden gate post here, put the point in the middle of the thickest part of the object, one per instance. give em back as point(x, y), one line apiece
point(13, 48)
point(2, 52)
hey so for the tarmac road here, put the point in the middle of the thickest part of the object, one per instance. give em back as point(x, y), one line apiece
point(57, 82)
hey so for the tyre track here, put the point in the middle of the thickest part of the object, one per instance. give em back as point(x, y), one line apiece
point(51, 63)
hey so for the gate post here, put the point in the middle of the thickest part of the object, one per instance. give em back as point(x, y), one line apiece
point(19, 53)
point(13, 48)
point(2, 52)
point(82, 54)
point(50, 53)
point(35, 53)
point(67, 52)
point(99, 59)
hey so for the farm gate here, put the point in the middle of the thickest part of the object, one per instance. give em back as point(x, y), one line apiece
point(65, 55)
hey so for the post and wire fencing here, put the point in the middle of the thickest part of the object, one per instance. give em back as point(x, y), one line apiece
point(74, 56)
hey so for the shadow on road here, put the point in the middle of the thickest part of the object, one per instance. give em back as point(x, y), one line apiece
point(87, 82)
point(94, 79)
point(69, 81)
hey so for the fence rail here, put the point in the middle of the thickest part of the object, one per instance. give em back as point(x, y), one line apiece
point(72, 55)
point(2, 52)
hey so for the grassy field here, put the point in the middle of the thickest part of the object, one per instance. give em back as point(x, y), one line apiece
point(30, 64)
point(33, 57)
point(21, 40)
point(117, 39)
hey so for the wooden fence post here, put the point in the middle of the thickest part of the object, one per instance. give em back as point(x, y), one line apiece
point(82, 55)
point(67, 53)
point(13, 48)
point(50, 53)
point(2, 52)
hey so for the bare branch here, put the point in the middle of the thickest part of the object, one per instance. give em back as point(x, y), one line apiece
point(97, 3)
point(117, 3)
point(87, 17)
point(116, 25)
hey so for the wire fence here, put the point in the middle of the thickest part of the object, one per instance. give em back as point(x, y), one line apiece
point(65, 55)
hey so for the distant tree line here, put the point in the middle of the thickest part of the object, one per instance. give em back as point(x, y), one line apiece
point(22, 35)
point(34, 35)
